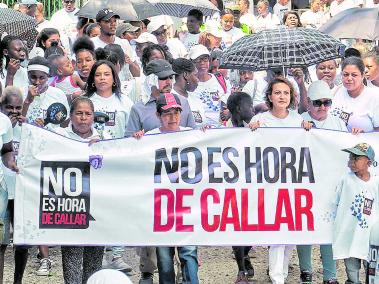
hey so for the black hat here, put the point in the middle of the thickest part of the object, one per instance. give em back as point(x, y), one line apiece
point(105, 15)
point(159, 67)
point(167, 101)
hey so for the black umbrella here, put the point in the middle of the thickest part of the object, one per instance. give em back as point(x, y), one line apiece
point(18, 24)
point(281, 48)
point(180, 8)
point(129, 10)
point(354, 23)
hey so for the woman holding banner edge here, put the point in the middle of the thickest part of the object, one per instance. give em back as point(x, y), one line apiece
point(79, 263)
point(281, 101)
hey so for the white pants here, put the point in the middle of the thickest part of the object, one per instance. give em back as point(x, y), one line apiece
point(278, 259)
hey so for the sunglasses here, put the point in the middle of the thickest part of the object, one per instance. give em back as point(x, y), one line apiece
point(69, 1)
point(165, 78)
point(159, 33)
point(319, 103)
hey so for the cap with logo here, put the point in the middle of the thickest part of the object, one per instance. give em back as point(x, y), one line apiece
point(362, 149)
point(197, 51)
point(168, 101)
point(145, 38)
point(125, 27)
point(105, 15)
point(319, 90)
point(159, 67)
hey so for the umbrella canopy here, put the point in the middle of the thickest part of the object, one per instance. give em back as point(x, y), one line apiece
point(18, 24)
point(281, 48)
point(180, 8)
point(129, 10)
point(354, 23)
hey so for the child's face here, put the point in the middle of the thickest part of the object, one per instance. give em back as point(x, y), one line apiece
point(358, 164)
point(227, 22)
point(65, 67)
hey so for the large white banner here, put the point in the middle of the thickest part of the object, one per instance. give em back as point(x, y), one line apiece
point(221, 187)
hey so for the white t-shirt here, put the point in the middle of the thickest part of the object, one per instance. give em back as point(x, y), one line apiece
point(279, 10)
point(361, 112)
point(266, 119)
point(20, 80)
point(312, 19)
point(231, 36)
point(65, 22)
point(196, 106)
point(176, 48)
point(69, 133)
point(336, 8)
point(6, 135)
point(118, 110)
point(190, 40)
point(125, 45)
point(40, 104)
point(212, 95)
point(248, 19)
point(256, 89)
point(331, 122)
point(158, 131)
point(371, 85)
point(271, 21)
point(356, 204)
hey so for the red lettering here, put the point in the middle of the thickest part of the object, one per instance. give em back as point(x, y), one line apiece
point(47, 218)
point(284, 200)
point(306, 210)
point(158, 195)
point(181, 210)
point(204, 210)
point(245, 226)
point(230, 202)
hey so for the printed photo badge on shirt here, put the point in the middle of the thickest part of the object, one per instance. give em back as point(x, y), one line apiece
point(56, 113)
point(65, 195)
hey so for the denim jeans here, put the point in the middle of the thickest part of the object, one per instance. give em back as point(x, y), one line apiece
point(188, 261)
point(352, 266)
point(304, 253)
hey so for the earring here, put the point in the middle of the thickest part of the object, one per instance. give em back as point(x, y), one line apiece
point(114, 84)
point(93, 85)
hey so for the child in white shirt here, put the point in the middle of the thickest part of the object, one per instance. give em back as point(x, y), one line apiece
point(356, 198)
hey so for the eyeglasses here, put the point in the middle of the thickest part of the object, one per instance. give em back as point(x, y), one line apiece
point(319, 103)
point(165, 78)
point(159, 33)
point(69, 1)
point(202, 59)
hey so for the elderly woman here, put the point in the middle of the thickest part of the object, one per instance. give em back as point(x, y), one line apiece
point(314, 17)
point(79, 263)
point(280, 99)
point(11, 107)
point(371, 62)
point(265, 19)
point(319, 101)
point(356, 104)
point(291, 19)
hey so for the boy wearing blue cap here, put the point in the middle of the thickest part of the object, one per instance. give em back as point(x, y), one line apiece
point(357, 202)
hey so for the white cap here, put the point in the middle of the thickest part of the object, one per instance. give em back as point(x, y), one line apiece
point(155, 23)
point(27, 2)
point(214, 29)
point(144, 38)
point(198, 50)
point(109, 276)
point(319, 90)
